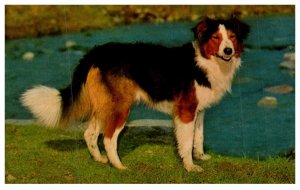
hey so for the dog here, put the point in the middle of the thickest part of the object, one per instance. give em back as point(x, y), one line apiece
point(181, 81)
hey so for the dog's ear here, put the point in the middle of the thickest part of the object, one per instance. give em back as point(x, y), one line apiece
point(244, 29)
point(201, 27)
point(240, 28)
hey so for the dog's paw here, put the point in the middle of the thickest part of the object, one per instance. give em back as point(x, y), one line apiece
point(102, 159)
point(121, 167)
point(202, 156)
point(194, 168)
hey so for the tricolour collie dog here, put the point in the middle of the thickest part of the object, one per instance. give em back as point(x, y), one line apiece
point(181, 81)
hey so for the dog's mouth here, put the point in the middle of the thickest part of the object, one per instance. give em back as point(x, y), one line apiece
point(225, 57)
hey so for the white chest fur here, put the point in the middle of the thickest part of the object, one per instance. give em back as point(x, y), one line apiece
point(220, 75)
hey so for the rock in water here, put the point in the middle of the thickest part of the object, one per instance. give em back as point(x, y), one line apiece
point(289, 56)
point(267, 101)
point(70, 44)
point(28, 56)
point(242, 80)
point(287, 64)
point(280, 89)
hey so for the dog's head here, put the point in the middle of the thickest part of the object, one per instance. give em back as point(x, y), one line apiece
point(221, 38)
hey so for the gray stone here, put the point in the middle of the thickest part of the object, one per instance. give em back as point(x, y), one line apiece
point(28, 56)
point(70, 44)
point(287, 64)
point(242, 80)
point(289, 56)
point(280, 89)
point(267, 101)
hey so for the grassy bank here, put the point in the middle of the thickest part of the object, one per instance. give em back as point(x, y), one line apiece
point(37, 155)
point(25, 21)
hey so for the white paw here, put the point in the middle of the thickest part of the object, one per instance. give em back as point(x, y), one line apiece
point(121, 167)
point(194, 168)
point(202, 156)
point(102, 159)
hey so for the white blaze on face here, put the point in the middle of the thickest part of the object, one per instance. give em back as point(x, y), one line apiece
point(226, 43)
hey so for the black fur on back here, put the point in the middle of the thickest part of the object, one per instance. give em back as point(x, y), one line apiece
point(72, 91)
point(162, 72)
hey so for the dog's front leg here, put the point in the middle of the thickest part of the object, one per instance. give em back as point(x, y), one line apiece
point(184, 132)
point(199, 138)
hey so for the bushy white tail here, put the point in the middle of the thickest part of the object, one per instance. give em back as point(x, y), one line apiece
point(45, 103)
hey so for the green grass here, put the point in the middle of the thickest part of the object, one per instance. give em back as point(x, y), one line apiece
point(38, 155)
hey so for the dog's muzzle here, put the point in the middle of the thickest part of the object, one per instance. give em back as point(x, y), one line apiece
point(228, 53)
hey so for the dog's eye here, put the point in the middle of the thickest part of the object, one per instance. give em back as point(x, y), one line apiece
point(215, 37)
point(232, 36)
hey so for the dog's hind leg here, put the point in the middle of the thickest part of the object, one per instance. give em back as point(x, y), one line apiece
point(110, 144)
point(91, 135)
point(199, 138)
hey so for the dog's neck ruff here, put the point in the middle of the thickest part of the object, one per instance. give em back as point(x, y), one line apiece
point(219, 73)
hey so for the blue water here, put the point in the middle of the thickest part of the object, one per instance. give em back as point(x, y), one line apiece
point(236, 126)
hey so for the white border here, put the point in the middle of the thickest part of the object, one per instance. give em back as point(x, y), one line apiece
point(143, 2)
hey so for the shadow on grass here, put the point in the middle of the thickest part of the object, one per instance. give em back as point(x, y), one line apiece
point(66, 145)
point(129, 140)
point(132, 138)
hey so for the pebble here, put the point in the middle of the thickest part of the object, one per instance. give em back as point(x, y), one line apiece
point(289, 61)
point(70, 44)
point(242, 80)
point(280, 89)
point(28, 56)
point(267, 101)
point(287, 64)
point(289, 56)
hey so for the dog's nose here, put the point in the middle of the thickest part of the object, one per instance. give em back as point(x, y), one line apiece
point(228, 51)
